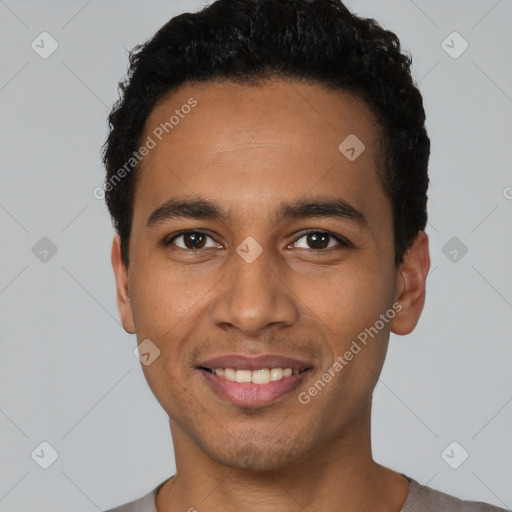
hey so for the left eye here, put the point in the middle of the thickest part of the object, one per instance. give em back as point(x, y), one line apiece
point(319, 240)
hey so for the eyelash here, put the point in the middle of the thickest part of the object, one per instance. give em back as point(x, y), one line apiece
point(341, 240)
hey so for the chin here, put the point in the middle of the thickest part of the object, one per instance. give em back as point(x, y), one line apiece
point(254, 456)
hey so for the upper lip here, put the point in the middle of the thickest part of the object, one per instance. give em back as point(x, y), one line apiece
point(243, 362)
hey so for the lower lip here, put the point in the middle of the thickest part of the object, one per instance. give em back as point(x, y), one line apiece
point(252, 395)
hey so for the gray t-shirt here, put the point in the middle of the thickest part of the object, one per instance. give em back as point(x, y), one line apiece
point(419, 499)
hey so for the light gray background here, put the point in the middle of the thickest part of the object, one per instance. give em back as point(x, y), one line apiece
point(68, 373)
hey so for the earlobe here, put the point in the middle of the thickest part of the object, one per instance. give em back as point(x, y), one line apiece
point(411, 285)
point(123, 293)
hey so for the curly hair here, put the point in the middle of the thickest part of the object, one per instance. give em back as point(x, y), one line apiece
point(249, 41)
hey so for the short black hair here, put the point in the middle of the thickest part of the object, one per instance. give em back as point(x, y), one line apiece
point(250, 41)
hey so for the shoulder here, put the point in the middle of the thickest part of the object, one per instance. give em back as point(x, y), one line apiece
point(425, 499)
point(144, 504)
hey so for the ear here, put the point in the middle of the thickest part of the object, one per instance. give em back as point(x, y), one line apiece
point(411, 285)
point(123, 294)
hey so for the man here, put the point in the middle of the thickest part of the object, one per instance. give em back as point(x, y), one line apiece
point(267, 178)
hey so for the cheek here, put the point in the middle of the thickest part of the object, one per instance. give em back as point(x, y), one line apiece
point(349, 309)
point(168, 389)
point(162, 299)
point(168, 306)
point(349, 300)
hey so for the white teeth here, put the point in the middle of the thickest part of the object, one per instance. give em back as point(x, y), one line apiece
point(243, 375)
point(261, 376)
point(276, 374)
point(229, 374)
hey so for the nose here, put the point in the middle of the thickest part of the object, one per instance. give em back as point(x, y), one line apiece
point(253, 297)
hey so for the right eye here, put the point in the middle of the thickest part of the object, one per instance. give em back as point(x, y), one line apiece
point(192, 240)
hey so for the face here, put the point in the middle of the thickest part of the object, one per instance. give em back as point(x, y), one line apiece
point(255, 235)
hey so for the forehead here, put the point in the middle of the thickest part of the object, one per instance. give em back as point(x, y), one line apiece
point(251, 146)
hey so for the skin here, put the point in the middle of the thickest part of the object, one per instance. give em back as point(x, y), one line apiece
point(249, 149)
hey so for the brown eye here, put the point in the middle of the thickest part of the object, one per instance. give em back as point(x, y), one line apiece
point(192, 240)
point(319, 240)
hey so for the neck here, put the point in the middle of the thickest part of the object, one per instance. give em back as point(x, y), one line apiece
point(338, 476)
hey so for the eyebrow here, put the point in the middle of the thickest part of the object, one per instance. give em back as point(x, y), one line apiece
point(335, 208)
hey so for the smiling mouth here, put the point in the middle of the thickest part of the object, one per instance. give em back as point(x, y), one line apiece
point(260, 376)
point(253, 388)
